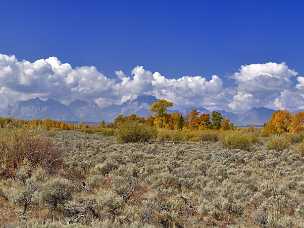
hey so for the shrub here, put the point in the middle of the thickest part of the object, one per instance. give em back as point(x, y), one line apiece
point(123, 186)
point(135, 132)
point(193, 135)
point(23, 197)
point(251, 130)
point(278, 143)
point(96, 181)
point(105, 168)
point(187, 135)
point(238, 140)
point(296, 137)
point(109, 202)
point(24, 172)
point(107, 131)
point(170, 135)
point(209, 136)
point(5, 122)
point(56, 192)
point(19, 145)
point(300, 148)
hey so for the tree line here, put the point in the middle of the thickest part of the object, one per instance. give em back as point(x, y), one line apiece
point(161, 118)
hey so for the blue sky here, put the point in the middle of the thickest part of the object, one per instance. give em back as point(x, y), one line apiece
point(228, 55)
point(173, 37)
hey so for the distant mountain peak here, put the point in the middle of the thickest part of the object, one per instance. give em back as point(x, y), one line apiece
point(78, 103)
point(37, 108)
point(82, 110)
point(148, 99)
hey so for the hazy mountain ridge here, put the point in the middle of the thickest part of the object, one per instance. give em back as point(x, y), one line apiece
point(40, 109)
point(80, 110)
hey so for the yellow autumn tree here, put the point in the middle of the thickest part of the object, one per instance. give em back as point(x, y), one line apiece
point(297, 123)
point(159, 108)
point(279, 122)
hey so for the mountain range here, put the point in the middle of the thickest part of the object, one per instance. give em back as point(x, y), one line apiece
point(84, 111)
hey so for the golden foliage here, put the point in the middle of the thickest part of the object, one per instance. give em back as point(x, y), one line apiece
point(297, 123)
point(279, 123)
point(159, 108)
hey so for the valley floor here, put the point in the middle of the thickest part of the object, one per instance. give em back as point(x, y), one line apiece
point(172, 185)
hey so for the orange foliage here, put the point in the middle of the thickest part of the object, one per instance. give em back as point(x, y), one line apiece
point(279, 122)
point(297, 123)
point(226, 124)
point(196, 120)
point(193, 119)
point(205, 121)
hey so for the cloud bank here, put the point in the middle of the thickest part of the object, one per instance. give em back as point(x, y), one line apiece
point(271, 85)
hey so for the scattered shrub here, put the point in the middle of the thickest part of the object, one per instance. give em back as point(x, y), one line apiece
point(123, 186)
point(109, 202)
point(251, 130)
point(107, 131)
point(105, 168)
point(160, 184)
point(135, 132)
point(56, 192)
point(278, 143)
point(23, 197)
point(300, 148)
point(187, 135)
point(209, 136)
point(170, 135)
point(193, 135)
point(96, 181)
point(238, 140)
point(18, 146)
point(296, 137)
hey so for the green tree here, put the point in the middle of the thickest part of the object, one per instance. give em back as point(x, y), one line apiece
point(177, 121)
point(216, 119)
point(180, 122)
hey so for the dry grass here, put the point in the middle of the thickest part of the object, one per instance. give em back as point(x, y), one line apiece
point(295, 137)
point(278, 142)
point(209, 136)
point(188, 135)
point(238, 140)
point(135, 132)
point(170, 135)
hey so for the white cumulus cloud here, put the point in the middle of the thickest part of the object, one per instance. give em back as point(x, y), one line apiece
point(259, 85)
point(272, 85)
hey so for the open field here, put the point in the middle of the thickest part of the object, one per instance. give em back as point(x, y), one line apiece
point(103, 183)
